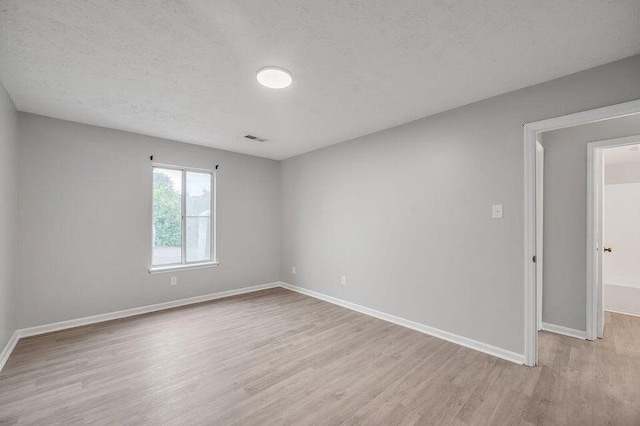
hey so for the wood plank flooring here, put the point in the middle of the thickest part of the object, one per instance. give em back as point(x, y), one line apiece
point(278, 357)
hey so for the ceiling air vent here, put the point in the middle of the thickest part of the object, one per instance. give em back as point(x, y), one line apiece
point(255, 138)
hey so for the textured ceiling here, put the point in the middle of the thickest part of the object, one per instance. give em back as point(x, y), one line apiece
point(185, 70)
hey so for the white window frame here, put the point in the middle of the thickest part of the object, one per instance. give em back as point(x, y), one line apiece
point(183, 263)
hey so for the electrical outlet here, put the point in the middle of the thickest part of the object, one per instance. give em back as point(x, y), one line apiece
point(293, 270)
point(174, 280)
point(343, 280)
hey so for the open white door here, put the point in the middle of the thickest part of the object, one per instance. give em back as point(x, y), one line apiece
point(595, 231)
point(539, 228)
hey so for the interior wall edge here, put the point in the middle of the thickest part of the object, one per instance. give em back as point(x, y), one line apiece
point(8, 215)
point(8, 348)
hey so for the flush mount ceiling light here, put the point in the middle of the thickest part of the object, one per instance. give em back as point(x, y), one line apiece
point(274, 77)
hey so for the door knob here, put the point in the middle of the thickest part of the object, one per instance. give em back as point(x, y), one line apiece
point(607, 249)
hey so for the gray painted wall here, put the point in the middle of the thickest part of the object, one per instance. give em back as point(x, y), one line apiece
point(405, 214)
point(565, 217)
point(8, 214)
point(85, 221)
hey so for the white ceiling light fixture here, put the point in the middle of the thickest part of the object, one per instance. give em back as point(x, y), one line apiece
point(274, 77)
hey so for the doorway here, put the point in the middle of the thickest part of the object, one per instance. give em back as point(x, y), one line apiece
point(614, 175)
point(533, 249)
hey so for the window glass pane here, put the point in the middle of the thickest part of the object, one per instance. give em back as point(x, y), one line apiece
point(198, 199)
point(167, 216)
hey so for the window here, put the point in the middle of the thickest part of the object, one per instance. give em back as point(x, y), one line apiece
point(183, 223)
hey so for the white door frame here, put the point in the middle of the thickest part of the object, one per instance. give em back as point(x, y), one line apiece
point(595, 191)
point(530, 291)
point(539, 228)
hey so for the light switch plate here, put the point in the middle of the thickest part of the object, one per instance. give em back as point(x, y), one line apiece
point(496, 211)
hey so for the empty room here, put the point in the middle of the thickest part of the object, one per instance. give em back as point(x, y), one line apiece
point(319, 212)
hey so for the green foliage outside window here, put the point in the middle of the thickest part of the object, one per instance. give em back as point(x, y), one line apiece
point(167, 212)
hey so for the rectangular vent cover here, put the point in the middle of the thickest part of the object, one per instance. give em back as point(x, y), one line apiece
point(255, 138)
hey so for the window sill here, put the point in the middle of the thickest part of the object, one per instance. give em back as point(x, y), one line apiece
point(171, 268)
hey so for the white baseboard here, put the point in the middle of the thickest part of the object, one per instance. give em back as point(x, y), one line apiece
point(441, 334)
point(558, 329)
point(63, 325)
point(622, 299)
point(8, 348)
point(444, 335)
point(621, 311)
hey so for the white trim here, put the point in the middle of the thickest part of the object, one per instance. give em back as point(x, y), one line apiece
point(622, 312)
point(183, 220)
point(8, 348)
point(441, 334)
point(184, 264)
point(566, 331)
point(181, 267)
point(63, 325)
point(444, 335)
point(530, 131)
point(174, 167)
point(592, 245)
point(539, 229)
point(214, 216)
point(583, 117)
point(530, 290)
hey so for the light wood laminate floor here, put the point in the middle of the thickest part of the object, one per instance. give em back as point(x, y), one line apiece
point(278, 357)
